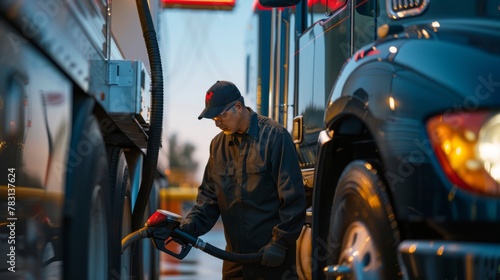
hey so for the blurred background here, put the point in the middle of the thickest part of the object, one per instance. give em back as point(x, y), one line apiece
point(199, 47)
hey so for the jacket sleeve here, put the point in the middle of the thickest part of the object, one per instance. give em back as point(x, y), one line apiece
point(205, 212)
point(288, 178)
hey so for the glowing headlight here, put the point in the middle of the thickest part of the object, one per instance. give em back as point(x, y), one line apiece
point(488, 147)
point(467, 146)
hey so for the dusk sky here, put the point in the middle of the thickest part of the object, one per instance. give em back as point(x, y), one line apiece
point(199, 48)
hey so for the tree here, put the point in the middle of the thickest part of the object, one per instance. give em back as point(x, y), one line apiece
point(181, 157)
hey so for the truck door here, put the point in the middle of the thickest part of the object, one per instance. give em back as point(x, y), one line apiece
point(365, 24)
point(322, 50)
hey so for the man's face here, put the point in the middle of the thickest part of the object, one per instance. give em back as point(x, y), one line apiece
point(229, 120)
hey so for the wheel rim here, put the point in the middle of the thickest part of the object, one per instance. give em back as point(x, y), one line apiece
point(360, 253)
point(98, 252)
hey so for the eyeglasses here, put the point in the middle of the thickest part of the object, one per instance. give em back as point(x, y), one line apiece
point(223, 114)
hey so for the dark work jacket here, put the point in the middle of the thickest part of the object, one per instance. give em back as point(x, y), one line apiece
point(256, 188)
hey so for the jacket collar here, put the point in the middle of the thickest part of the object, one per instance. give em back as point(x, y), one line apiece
point(253, 129)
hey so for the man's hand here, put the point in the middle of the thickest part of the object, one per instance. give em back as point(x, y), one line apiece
point(274, 254)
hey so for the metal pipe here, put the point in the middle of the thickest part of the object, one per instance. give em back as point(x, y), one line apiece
point(277, 67)
point(271, 63)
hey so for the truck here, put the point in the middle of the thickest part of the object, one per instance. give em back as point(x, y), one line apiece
point(394, 108)
point(81, 113)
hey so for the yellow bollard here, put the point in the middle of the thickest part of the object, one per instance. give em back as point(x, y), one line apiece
point(172, 198)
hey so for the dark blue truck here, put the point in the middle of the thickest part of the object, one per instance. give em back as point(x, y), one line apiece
point(394, 107)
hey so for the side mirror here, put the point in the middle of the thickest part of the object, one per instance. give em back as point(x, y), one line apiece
point(278, 3)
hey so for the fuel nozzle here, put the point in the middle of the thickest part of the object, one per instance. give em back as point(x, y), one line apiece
point(162, 229)
point(164, 226)
point(163, 217)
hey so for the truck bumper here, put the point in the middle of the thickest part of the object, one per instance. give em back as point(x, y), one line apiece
point(424, 259)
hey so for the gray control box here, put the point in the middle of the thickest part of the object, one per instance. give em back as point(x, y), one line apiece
point(123, 87)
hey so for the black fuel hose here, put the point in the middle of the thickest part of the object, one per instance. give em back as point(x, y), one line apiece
point(155, 128)
point(230, 256)
point(197, 243)
point(216, 252)
point(134, 237)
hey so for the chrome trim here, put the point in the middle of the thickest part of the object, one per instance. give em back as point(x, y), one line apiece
point(340, 270)
point(351, 9)
point(421, 257)
point(405, 8)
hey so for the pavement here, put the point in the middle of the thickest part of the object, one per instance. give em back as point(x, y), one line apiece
point(197, 265)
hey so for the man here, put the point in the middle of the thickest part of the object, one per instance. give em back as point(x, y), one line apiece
point(253, 181)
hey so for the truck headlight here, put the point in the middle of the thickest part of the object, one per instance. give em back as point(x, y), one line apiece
point(488, 147)
point(467, 146)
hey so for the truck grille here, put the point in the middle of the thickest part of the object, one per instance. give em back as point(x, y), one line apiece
point(402, 5)
point(487, 267)
point(406, 8)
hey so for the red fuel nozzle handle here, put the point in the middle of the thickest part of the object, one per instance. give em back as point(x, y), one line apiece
point(163, 216)
point(163, 229)
point(164, 225)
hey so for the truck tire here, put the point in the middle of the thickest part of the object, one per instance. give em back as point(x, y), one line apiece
point(120, 214)
point(85, 219)
point(362, 221)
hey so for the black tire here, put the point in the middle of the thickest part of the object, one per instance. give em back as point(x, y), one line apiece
point(120, 214)
point(362, 219)
point(85, 218)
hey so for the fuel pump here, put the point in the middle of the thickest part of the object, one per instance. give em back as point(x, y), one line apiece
point(163, 228)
